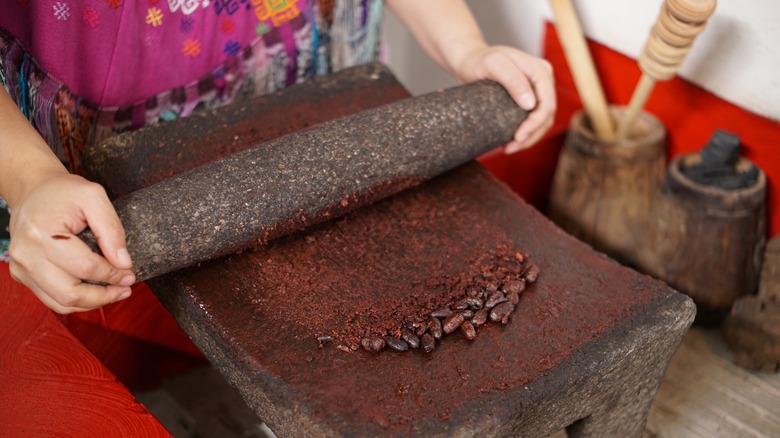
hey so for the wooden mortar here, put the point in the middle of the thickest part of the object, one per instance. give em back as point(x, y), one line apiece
point(707, 242)
point(603, 191)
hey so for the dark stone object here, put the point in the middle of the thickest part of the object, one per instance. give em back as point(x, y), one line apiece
point(590, 361)
point(718, 166)
point(306, 177)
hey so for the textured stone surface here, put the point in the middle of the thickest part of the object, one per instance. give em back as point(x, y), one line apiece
point(586, 346)
point(308, 176)
point(591, 339)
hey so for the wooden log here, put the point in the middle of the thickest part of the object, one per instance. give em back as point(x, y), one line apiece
point(706, 242)
point(602, 191)
point(309, 176)
point(752, 328)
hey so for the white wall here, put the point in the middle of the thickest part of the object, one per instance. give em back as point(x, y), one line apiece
point(736, 57)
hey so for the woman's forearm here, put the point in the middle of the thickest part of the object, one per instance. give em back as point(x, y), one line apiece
point(24, 156)
point(445, 29)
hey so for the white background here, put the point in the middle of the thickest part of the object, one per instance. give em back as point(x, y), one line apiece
point(736, 57)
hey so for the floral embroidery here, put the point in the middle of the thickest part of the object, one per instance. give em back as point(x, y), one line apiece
point(187, 6)
point(227, 25)
point(61, 11)
point(191, 48)
point(90, 17)
point(279, 11)
point(114, 4)
point(262, 29)
point(154, 17)
point(231, 48)
point(186, 23)
point(229, 6)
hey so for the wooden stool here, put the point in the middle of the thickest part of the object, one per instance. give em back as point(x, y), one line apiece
point(585, 349)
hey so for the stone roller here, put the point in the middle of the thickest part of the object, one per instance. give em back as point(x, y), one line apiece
point(300, 179)
point(670, 39)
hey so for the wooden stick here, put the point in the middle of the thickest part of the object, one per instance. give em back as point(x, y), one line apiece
point(678, 24)
point(582, 68)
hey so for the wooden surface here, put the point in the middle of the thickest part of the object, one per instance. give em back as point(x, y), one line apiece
point(752, 328)
point(704, 394)
point(602, 192)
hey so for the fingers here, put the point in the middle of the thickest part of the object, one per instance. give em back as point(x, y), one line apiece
point(66, 294)
point(530, 82)
point(47, 255)
point(502, 69)
point(540, 120)
point(105, 224)
point(71, 255)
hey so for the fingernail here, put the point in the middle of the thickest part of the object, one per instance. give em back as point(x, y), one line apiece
point(127, 280)
point(527, 101)
point(512, 147)
point(124, 257)
point(124, 295)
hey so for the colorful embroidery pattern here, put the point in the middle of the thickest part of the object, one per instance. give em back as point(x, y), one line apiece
point(227, 25)
point(231, 48)
point(264, 45)
point(61, 10)
point(229, 6)
point(186, 23)
point(279, 11)
point(191, 48)
point(154, 16)
point(187, 7)
point(90, 17)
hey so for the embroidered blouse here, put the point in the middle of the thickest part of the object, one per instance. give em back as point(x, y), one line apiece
point(84, 70)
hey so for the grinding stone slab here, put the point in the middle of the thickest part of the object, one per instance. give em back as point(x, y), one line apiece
point(586, 347)
point(591, 339)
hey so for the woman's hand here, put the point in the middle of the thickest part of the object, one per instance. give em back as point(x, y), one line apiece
point(48, 257)
point(527, 79)
point(448, 33)
point(49, 207)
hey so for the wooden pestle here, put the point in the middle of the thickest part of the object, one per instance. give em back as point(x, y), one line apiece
point(678, 24)
point(582, 68)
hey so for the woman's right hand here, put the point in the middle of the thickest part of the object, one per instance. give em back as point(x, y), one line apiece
point(49, 258)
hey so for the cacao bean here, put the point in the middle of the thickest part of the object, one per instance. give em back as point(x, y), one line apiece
point(435, 328)
point(517, 286)
point(475, 303)
point(442, 313)
point(461, 304)
point(427, 342)
point(396, 344)
point(467, 314)
point(495, 298)
point(373, 344)
point(468, 330)
point(531, 273)
point(501, 312)
point(452, 323)
point(480, 318)
point(412, 339)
